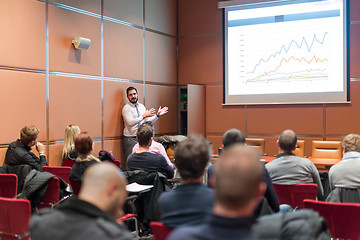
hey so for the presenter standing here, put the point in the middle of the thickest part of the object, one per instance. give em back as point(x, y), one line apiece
point(134, 114)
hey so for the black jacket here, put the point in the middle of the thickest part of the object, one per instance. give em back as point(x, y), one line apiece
point(148, 209)
point(298, 225)
point(19, 153)
point(76, 219)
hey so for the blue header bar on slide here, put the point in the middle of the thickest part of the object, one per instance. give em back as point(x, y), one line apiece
point(284, 18)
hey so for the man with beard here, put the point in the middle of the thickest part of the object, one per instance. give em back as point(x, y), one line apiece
point(134, 114)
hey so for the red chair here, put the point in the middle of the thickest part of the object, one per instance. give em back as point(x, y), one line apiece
point(14, 218)
point(342, 218)
point(295, 194)
point(76, 186)
point(117, 163)
point(159, 230)
point(68, 163)
point(63, 172)
point(8, 185)
point(52, 194)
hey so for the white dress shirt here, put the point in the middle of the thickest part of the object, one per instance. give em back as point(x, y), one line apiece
point(133, 118)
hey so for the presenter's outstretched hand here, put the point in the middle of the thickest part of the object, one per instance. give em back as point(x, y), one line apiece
point(162, 111)
point(149, 113)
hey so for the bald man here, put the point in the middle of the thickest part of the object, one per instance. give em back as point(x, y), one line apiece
point(239, 188)
point(90, 216)
point(288, 169)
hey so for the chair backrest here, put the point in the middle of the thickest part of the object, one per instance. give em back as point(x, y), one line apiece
point(258, 143)
point(300, 148)
point(295, 194)
point(159, 230)
point(76, 186)
point(8, 185)
point(342, 218)
point(117, 163)
point(326, 149)
point(68, 163)
point(14, 218)
point(52, 194)
point(63, 172)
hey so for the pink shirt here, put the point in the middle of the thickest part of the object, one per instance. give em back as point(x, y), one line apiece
point(156, 148)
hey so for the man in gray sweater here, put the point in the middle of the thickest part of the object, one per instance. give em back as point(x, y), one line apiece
point(288, 169)
point(346, 174)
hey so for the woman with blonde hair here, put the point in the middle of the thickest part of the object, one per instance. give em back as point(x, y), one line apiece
point(69, 151)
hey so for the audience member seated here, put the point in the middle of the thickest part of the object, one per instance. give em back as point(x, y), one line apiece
point(288, 169)
point(239, 188)
point(90, 216)
point(346, 173)
point(84, 146)
point(145, 160)
point(235, 136)
point(69, 151)
point(156, 148)
point(19, 152)
point(191, 201)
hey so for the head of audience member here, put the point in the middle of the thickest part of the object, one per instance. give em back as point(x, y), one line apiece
point(287, 141)
point(351, 143)
point(239, 182)
point(132, 94)
point(84, 144)
point(29, 135)
point(104, 186)
point(145, 134)
point(71, 131)
point(192, 156)
point(233, 136)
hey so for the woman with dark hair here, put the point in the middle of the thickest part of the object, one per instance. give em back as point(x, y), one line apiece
point(84, 147)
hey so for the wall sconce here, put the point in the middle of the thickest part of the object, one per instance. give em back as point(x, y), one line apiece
point(81, 43)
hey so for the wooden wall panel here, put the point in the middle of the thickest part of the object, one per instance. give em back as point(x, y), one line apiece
point(275, 119)
point(97, 148)
point(20, 47)
point(156, 96)
point(2, 155)
point(199, 17)
point(74, 101)
point(216, 142)
point(123, 51)
point(54, 157)
point(64, 25)
point(220, 118)
point(200, 60)
point(160, 58)
point(354, 10)
point(354, 51)
point(342, 119)
point(161, 15)
point(196, 110)
point(114, 100)
point(125, 10)
point(24, 102)
point(87, 5)
point(115, 146)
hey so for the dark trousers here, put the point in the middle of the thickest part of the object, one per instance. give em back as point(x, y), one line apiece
point(128, 145)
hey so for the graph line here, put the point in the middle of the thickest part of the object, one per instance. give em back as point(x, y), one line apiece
point(287, 60)
point(287, 49)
